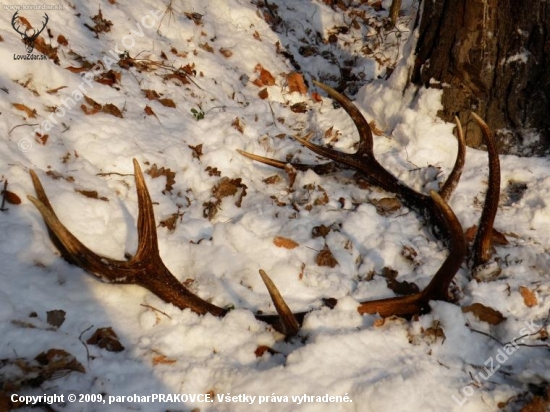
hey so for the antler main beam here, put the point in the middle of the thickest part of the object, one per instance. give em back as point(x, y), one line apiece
point(433, 207)
point(146, 267)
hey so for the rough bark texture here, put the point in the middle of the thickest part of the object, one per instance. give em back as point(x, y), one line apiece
point(491, 57)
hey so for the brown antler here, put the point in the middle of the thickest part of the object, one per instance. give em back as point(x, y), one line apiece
point(438, 287)
point(146, 267)
point(364, 161)
point(482, 243)
point(433, 207)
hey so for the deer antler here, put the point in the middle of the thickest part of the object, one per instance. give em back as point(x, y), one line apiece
point(146, 267)
point(433, 207)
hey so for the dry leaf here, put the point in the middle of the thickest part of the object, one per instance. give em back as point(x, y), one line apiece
point(292, 173)
point(151, 94)
point(88, 111)
point(485, 313)
point(320, 231)
point(197, 151)
point(11, 197)
point(47, 49)
point(170, 222)
point(148, 111)
point(263, 94)
point(300, 107)
point(196, 17)
point(375, 131)
point(326, 258)
point(62, 40)
point(206, 47)
point(73, 69)
point(237, 124)
point(54, 91)
point(155, 172)
point(285, 242)
point(112, 110)
point(272, 180)
point(55, 317)
point(316, 97)
point(212, 171)
point(167, 103)
point(95, 105)
point(226, 52)
point(92, 194)
point(109, 78)
point(29, 112)
point(101, 25)
point(296, 83)
point(57, 360)
point(260, 350)
point(386, 206)
point(107, 339)
point(402, 287)
point(265, 78)
point(529, 298)
point(225, 187)
point(497, 238)
point(161, 359)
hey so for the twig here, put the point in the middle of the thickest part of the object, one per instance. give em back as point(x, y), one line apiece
point(88, 357)
point(4, 196)
point(155, 309)
point(19, 125)
point(114, 173)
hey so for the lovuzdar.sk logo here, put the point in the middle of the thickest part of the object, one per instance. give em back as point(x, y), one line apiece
point(29, 38)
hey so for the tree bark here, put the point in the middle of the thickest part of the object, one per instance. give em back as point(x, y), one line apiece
point(491, 57)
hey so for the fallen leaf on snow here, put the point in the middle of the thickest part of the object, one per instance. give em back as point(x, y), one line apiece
point(484, 313)
point(107, 339)
point(296, 83)
point(265, 78)
point(326, 258)
point(28, 111)
point(529, 298)
point(285, 242)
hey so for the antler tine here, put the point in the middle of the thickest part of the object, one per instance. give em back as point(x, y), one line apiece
point(366, 143)
point(290, 325)
point(482, 241)
point(146, 267)
point(320, 169)
point(147, 230)
point(452, 180)
point(70, 247)
point(438, 287)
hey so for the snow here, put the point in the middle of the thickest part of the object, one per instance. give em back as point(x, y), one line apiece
point(393, 364)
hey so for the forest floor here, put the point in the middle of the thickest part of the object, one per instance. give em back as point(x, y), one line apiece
point(181, 86)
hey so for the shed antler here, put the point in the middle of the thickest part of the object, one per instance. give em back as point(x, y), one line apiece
point(146, 267)
point(433, 207)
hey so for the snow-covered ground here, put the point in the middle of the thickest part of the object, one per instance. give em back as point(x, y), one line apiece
point(181, 87)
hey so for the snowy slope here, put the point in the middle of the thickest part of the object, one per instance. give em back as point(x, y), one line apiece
point(202, 58)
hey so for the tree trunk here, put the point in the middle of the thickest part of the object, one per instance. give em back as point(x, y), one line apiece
point(491, 57)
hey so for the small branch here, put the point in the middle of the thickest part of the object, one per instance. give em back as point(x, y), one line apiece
point(4, 196)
